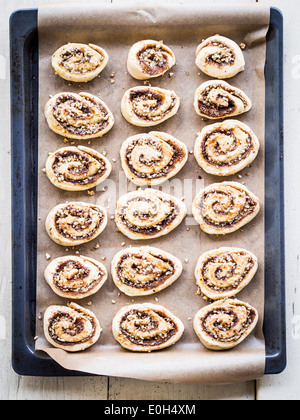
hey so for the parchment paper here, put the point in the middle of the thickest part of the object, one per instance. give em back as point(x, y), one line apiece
point(182, 27)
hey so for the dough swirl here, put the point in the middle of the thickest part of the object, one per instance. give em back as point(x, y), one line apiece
point(145, 106)
point(74, 277)
point(80, 116)
point(71, 328)
point(217, 99)
point(220, 57)
point(224, 272)
point(225, 323)
point(79, 62)
point(148, 59)
point(144, 271)
point(226, 148)
point(77, 168)
point(75, 223)
point(151, 159)
point(148, 214)
point(146, 327)
point(224, 207)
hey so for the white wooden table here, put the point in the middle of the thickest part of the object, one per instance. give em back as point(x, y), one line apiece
point(279, 387)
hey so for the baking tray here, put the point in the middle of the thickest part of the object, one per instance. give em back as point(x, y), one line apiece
point(24, 151)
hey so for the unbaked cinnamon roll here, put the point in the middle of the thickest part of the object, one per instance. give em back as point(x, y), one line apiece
point(144, 271)
point(225, 324)
point(226, 148)
point(75, 223)
point(151, 159)
point(71, 328)
point(224, 272)
point(77, 168)
point(217, 99)
point(146, 327)
point(79, 62)
point(148, 214)
point(220, 57)
point(146, 106)
point(224, 207)
point(74, 277)
point(80, 116)
point(148, 59)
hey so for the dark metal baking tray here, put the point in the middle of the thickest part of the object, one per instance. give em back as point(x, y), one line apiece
point(24, 147)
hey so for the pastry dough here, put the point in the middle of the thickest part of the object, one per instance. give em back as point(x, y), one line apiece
point(74, 277)
point(79, 62)
point(226, 148)
point(217, 99)
point(224, 207)
point(75, 223)
point(71, 328)
point(148, 214)
point(151, 159)
point(220, 57)
point(149, 58)
point(144, 271)
point(146, 106)
point(146, 327)
point(225, 324)
point(80, 116)
point(224, 272)
point(77, 168)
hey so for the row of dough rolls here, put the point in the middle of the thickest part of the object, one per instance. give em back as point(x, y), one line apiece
point(146, 327)
point(84, 116)
point(217, 56)
point(223, 149)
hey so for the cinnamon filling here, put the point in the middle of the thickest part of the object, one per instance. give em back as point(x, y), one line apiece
point(246, 210)
point(77, 275)
point(76, 213)
point(178, 156)
point(226, 260)
point(78, 61)
point(218, 151)
point(149, 325)
point(76, 327)
point(153, 229)
point(71, 157)
point(82, 113)
point(229, 326)
point(140, 268)
point(153, 60)
point(139, 96)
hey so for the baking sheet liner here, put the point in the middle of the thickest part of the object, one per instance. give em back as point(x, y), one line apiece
point(182, 27)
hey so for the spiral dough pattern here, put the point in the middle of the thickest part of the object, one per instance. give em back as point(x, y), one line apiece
point(151, 159)
point(224, 272)
point(220, 57)
point(71, 328)
point(148, 214)
point(146, 327)
point(80, 116)
point(224, 207)
point(75, 223)
point(79, 62)
point(226, 148)
point(77, 168)
point(217, 99)
point(225, 324)
point(148, 106)
point(74, 277)
point(144, 271)
point(148, 59)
